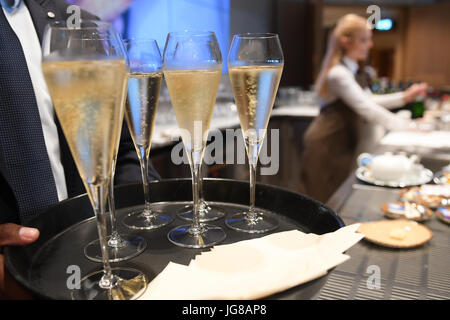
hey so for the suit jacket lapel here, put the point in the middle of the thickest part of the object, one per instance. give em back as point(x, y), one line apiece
point(39, 10)
point(38, 18)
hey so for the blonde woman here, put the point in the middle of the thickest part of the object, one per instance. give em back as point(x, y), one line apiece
point(352, 119)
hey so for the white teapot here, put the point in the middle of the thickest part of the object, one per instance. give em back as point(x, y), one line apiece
point(390, 167)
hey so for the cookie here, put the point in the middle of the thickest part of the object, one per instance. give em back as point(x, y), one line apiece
point(399, 233)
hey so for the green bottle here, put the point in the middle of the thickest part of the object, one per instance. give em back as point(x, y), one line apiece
point(418, 107)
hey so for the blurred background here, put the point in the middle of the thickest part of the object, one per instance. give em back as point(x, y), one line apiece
point(409, 42)
point(410, 45)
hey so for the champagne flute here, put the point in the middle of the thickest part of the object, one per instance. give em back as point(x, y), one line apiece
point(207, 212)
point(144, 85)
point(255, 64)
point(85, 70)
point(120, 246)
point(192, 68)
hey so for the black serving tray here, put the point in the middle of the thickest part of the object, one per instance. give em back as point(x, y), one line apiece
point(68, 226)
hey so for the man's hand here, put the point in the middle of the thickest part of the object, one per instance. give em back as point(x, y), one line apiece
point(13, 234)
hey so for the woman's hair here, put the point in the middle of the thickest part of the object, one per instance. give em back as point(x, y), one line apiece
point(344, 32)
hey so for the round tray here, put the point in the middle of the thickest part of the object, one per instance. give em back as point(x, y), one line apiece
point(364, 174)
point(45, 266)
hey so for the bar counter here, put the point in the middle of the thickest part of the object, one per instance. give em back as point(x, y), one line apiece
point(406, 274)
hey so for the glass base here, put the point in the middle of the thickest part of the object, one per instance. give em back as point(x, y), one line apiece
point(128, 284)
point(206, 213)
point(262, 223)
point(137, 220)
point(129, 247)
point(206, 236)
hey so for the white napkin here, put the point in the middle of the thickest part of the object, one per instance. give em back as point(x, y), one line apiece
point(253, 269)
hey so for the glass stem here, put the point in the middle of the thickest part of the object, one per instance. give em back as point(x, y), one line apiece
point(143, 159)
point(202, 204)
point(114, 240)
point(200, 184)
point(252, 213)
point(196, 195)
point(253, 160)
point(99, 193)
point(196, 227)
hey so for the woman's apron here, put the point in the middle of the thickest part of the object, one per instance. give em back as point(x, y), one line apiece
point(330, 146)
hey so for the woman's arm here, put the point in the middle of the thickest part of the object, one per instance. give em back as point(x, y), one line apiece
point(343, 85)
point(398, 99)
point(389, 100)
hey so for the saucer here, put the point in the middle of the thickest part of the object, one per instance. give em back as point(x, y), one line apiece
point(423, 177)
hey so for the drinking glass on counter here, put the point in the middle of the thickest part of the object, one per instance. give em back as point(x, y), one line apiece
point(85, 71)
point(255, 64)
point(144, 86)
point(192, 69)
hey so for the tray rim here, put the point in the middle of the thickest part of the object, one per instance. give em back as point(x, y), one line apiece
point(25, 283)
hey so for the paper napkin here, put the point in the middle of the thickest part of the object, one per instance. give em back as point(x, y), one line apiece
point(253, 269)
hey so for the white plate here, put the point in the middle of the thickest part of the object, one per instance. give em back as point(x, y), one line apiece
point(425, 176)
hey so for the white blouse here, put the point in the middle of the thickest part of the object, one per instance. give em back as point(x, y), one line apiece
point(342, 84)
point(370, 107)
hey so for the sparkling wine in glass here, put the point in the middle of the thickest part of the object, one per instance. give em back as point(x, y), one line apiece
point(144, 86)
point(192, 69)
point(120, 246)
point(255, 64)
point(85, 70)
